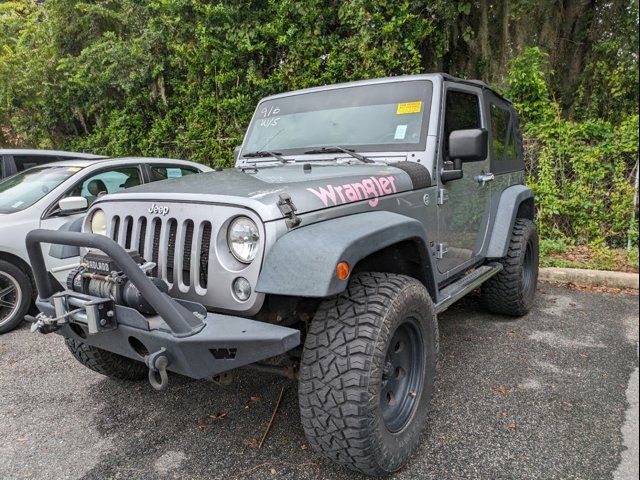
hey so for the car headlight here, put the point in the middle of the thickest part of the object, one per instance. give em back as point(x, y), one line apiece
point(243, 239)
point(98, 222)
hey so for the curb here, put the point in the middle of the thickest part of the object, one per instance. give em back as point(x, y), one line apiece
point(593, 278)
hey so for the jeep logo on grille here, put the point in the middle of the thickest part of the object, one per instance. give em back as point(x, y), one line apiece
point(158, 209)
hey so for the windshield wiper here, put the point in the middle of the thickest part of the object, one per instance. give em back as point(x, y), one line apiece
point(265, 153)
point(362, 158)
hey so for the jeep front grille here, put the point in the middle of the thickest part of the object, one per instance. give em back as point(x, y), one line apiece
point(189, 249)
point(172, 246)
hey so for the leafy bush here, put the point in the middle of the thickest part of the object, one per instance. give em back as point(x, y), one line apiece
point(581, 171)
point(180, 78)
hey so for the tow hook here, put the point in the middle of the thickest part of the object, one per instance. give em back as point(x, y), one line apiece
point(158, 363)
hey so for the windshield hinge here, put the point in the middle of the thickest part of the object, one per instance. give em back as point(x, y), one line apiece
point(288, 209)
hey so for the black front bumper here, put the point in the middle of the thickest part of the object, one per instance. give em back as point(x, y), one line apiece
point(197, 343)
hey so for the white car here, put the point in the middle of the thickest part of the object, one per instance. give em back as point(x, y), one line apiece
point(56, 196)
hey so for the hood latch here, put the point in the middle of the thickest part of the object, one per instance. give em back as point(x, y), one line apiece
point(288, 209)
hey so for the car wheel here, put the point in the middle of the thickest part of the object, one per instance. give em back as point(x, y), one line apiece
point(368, 371)
point(512, 290)
point(16, 293)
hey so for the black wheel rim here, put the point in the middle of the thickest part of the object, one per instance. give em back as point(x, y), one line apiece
point(528, 268)
point(402, 376)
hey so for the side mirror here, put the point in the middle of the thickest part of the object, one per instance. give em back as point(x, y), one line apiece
point(73, 204)
point(468, 145)
point(236, 153)
point(465, 146)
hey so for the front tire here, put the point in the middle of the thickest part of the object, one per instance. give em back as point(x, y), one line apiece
point(512, 291)
point(16, 292)
point(107, 363)
point(368, 371)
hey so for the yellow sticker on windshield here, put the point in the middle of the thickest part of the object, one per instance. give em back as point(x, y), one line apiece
point(73, 169)
point(409, 107)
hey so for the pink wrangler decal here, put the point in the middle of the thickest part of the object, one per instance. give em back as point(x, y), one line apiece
point(372, 188)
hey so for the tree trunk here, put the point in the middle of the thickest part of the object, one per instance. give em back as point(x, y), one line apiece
point(506, 43)
point(484, 37)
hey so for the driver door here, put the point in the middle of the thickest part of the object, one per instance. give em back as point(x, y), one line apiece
point(463, 211)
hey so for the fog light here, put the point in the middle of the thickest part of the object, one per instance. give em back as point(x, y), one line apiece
point(242, 289)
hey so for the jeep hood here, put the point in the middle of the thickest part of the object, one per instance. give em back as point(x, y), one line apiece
point(321, 186)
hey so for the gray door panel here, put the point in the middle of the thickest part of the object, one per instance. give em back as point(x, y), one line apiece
point(464, 210)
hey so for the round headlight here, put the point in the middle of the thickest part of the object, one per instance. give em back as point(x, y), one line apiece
point(99, 222)
point(243, 239)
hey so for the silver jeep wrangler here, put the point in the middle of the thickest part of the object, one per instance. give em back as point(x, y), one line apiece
point(354, 215)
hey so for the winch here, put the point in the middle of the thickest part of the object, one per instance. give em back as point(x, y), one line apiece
point(98, 276)
point(93, 291)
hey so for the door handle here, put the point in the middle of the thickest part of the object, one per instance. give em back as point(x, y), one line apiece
point(484, 178)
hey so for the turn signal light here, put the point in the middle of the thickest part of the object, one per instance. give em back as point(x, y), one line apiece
point(342, 270)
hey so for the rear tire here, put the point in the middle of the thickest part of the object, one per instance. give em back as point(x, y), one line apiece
point(512, 291)
point(368, 371)
point(107, 363)
point(16, 294)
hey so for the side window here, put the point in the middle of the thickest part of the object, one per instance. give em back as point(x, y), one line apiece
point(462, 112)
point(109, 181)
point(503, 141)
point(499, 129)
point(163, 172)
point(27, 161)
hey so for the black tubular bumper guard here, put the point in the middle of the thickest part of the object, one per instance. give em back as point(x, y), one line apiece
point(197, 346)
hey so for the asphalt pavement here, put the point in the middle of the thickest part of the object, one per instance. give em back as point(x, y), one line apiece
point(552, 395)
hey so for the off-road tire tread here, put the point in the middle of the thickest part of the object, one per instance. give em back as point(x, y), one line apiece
point(502, 293)
point(336, 367)
point(107, 363)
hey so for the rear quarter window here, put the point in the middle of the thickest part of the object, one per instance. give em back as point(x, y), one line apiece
point(506, 152)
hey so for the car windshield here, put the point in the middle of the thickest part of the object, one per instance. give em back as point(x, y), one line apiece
point(389, 116)
point(26, 188)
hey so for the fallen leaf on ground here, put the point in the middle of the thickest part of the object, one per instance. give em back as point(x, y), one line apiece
point(273, 471)
point(200, 426)
point(218, 416)
point(567, 404)
point(255, 398)
point(252, 443)
point(512, 426)
point(502, 390)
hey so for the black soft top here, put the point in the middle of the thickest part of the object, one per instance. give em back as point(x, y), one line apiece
point(476, 83)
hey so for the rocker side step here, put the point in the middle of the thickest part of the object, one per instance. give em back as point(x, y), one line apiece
point(454, 292)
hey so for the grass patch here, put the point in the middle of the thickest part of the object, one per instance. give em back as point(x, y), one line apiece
point(560, 253)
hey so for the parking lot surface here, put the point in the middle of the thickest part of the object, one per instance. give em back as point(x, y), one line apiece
point(544, 396)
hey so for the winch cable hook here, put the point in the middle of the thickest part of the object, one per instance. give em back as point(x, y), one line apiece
point(158, 363)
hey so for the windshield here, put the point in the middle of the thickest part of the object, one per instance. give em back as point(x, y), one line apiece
point(26, 188)
point(378, 117)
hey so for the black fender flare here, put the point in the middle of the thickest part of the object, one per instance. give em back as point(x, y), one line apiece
point(303, 262)
point(505, 217)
